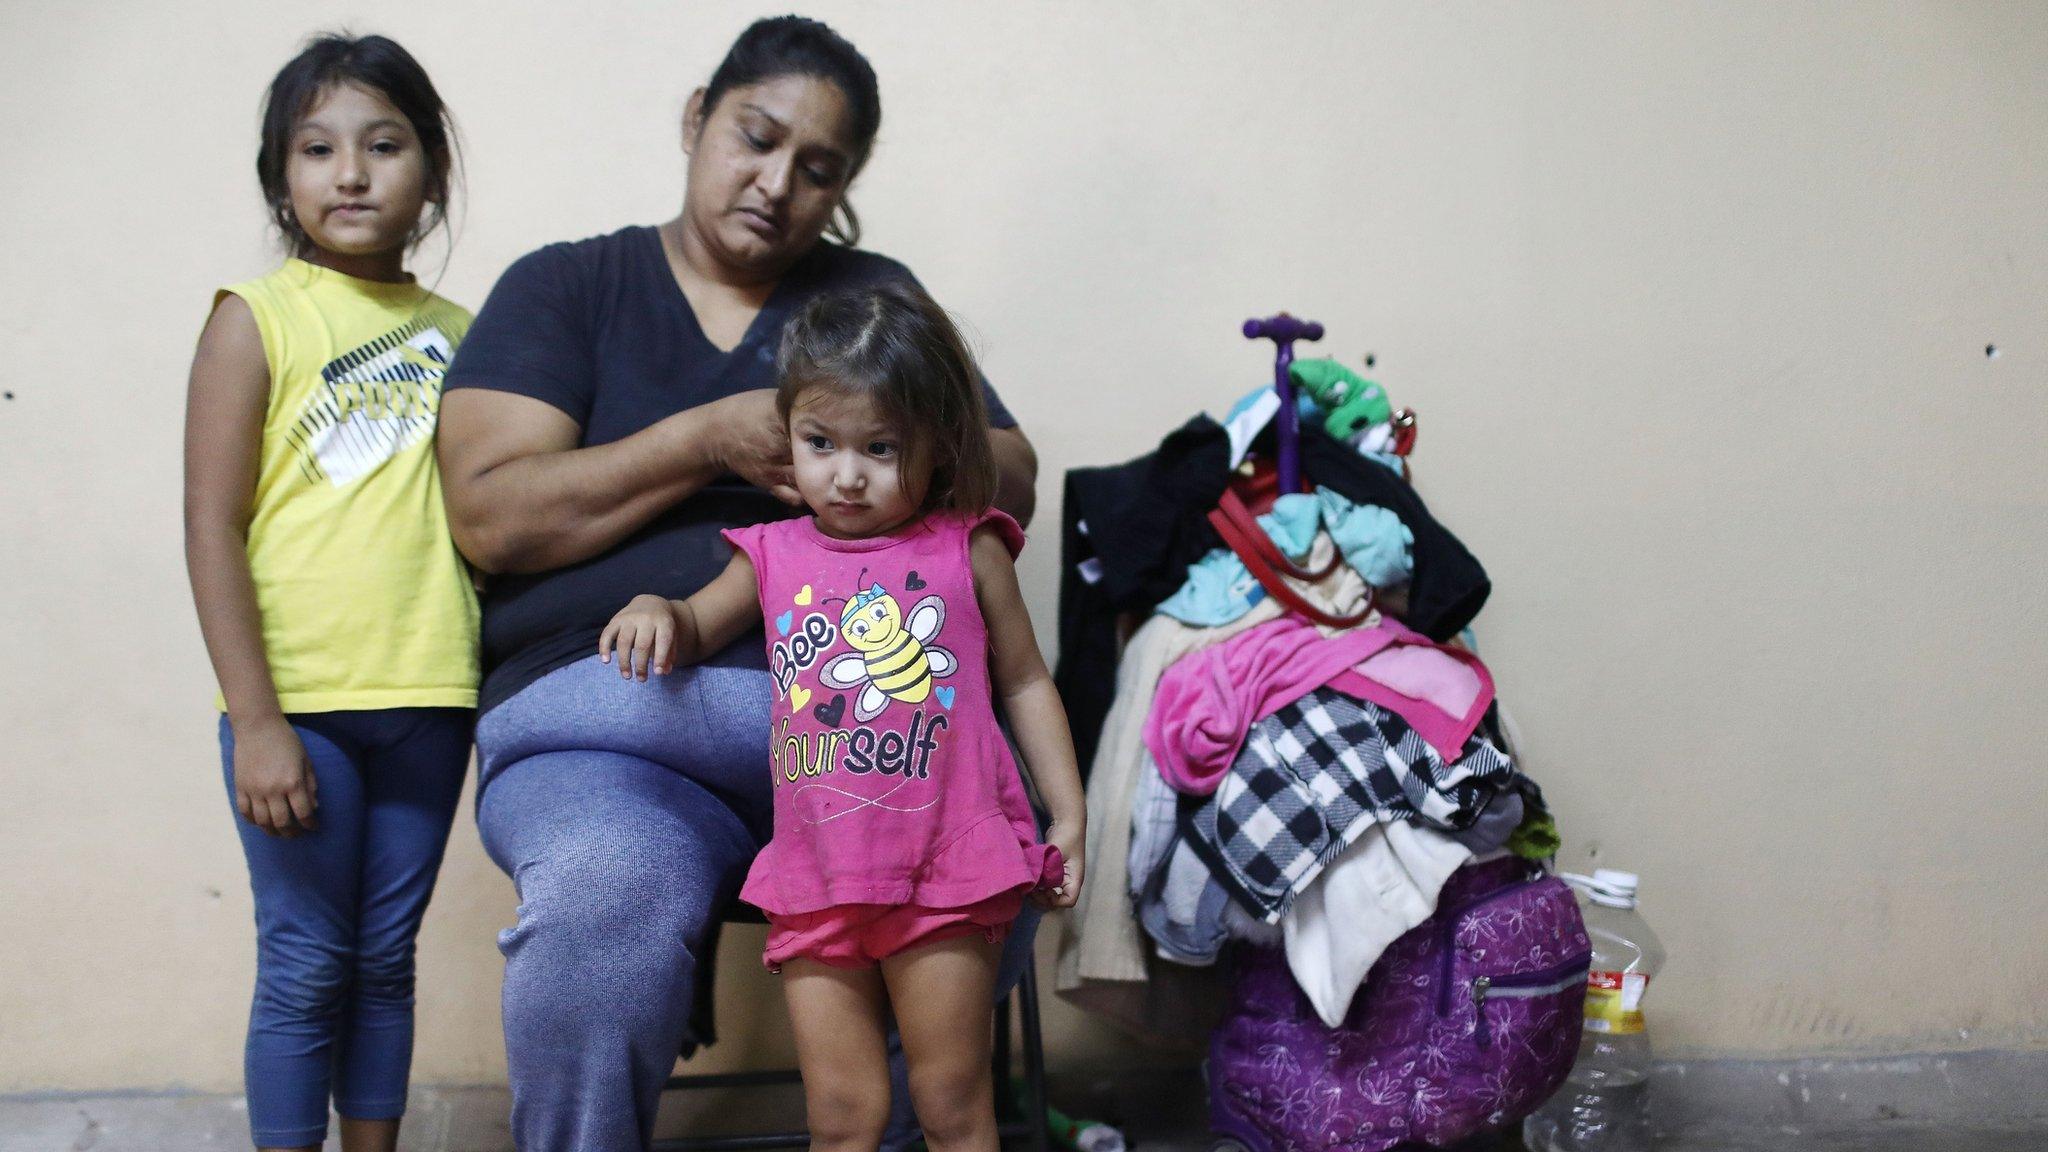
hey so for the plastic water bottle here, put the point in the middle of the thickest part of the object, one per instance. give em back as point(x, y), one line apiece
point(1603, 1106)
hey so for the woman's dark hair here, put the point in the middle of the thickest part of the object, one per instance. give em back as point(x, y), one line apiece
point(799, 46)
point(377, 63)
point(896, 346)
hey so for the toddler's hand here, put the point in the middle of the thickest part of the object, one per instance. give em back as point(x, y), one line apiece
point(644, 635)
point(1069, 841)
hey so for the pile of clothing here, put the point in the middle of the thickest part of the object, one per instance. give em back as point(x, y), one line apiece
point(1302, 767)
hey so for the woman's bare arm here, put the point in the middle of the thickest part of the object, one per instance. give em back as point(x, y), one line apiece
point(523, 497)
point(1017, 473)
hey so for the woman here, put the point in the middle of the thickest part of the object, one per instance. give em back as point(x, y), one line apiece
point(609, 414)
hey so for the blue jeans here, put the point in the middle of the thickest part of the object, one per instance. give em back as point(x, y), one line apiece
point(337, 910)
point(626, 815)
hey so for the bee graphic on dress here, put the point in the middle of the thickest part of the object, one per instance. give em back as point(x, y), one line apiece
point(894, 657)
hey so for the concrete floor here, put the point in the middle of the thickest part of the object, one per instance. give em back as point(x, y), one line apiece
point(1167, 1115)
point(1874, 1137)
point(1159, 1113)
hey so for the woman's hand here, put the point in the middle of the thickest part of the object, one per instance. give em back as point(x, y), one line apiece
point(1069, 839)
point(751, 440)
point(644, 634)
point(274, 785)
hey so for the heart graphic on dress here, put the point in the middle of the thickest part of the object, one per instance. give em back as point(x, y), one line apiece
point(830, 713)
point(803, 595)
point(798, 697)
point(912, 581)
point(945, 696)
point(782, 622)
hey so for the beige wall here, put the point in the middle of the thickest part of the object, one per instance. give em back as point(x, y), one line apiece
point(1693, 300)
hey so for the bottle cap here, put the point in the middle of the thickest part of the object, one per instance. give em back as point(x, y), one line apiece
point(1613, 887)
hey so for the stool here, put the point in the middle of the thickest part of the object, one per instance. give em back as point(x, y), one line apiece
point(1029, 1126)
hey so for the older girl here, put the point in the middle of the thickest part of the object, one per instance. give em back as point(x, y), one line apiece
point(338, 614)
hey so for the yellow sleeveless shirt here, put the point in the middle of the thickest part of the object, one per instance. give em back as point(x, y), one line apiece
point(365, 601)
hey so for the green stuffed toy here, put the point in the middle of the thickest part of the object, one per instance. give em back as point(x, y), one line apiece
point(1353, 402)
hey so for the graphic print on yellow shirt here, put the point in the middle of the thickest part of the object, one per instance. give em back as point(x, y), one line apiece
point(364, 599)
point(380, 399)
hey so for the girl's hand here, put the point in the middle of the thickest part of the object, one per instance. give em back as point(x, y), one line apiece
point(274, 785)
point(1070, 841)
point(644, 633)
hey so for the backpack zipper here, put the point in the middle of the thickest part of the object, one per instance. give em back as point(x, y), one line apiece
point(1524, 986)
point(1450, 935)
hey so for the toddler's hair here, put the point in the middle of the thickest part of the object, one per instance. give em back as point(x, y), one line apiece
point(896, 346)
point(376, 63)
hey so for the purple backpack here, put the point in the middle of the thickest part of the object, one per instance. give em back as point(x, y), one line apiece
point(1466, 1024)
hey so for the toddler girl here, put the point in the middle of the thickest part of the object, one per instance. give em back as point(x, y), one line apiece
point(904, 844)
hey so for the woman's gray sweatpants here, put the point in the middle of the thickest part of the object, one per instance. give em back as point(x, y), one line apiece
point(626, 815)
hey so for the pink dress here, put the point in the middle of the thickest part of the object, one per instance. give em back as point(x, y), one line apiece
point(892, 783)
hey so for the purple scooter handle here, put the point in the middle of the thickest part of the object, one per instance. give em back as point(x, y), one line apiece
point(1283, 330)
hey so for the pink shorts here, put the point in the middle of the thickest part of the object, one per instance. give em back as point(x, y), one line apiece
point(861, 935)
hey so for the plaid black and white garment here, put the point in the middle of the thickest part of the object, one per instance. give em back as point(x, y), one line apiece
point(1312, 778)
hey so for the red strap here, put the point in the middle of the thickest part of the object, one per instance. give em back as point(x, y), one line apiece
point(1234, 510)
point(1247, 550)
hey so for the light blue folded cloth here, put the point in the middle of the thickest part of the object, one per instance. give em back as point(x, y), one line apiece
point(1293, 523)
point(1373, 540)
point(1218, 590)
